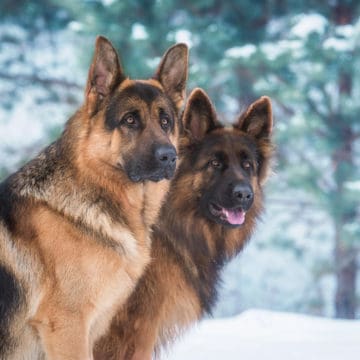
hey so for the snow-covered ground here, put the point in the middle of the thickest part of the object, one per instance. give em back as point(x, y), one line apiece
point(260, 334)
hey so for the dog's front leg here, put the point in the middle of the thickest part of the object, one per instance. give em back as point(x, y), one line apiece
point(64, 336)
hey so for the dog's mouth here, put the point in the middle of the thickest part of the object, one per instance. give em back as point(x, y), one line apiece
point(233, 216)
point(155, 176)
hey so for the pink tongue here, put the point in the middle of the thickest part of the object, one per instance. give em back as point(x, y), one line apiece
point(234, 217)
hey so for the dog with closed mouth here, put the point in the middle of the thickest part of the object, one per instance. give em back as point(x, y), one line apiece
point(211, 211)
point(75, 221)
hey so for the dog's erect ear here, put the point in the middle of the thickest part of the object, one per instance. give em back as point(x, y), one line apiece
point(104, 74)
point(172, 73)
point(199, 116)
point(257, 119)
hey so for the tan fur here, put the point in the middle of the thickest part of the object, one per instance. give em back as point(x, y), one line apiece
point(75, 230)
point(189, 246)
point(153, 322)
point(77, 269)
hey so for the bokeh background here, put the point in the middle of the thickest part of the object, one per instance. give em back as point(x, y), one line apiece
point(304, 256)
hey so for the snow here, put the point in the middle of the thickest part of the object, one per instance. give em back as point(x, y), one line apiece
point(305, 24)
point(353, 185)
point(345, 30)
point(241, 51)
point(338, 44)
point(138, 32)
point(25, 126)
point(283, 47)
point(184, 36)
point(108, 2)
point(261, 334)
point(75, 26)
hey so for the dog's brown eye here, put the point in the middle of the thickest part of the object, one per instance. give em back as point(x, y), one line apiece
point(130, 120)
point(164, 122)
point(246, 165)
point(215, 163)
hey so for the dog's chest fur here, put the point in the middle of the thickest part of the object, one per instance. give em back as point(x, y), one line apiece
point(92, 247)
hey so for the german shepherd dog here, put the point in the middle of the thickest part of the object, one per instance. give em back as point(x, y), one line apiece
point(75, 221)
point(210, 213)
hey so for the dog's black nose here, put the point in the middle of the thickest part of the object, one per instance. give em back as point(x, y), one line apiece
point(165, 155)
point(242, 194)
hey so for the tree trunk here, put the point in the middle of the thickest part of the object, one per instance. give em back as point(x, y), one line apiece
point(346, 271)
point(345, 254)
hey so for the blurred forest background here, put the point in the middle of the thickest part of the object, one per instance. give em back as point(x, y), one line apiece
point(304, 54)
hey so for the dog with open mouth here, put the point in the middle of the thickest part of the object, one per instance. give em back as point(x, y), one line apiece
point(210, 213)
